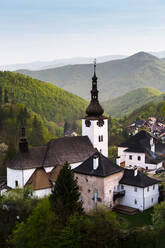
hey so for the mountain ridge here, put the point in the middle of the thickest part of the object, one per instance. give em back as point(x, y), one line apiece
point(129, 102)
point(115, 77)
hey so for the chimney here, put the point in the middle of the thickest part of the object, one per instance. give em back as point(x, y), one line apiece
point(23, 144)
point(152, 144)
point(95, 161)
point(135, 171)
point(118, 160)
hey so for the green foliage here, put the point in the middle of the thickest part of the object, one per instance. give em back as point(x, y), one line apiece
point(158, 216)
point(126, 104)
point(45, 99)
point(15, 206)
point(99, 229)
point(112, 151)
point(38, 231)
point(65, 197)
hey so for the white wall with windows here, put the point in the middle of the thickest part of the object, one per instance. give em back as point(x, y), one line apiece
point(18, 178)
point(140, 198)
point(133, 159)
point(98, 135)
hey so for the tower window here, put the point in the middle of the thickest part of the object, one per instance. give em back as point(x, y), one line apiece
point(100, 138)
point(16, 183)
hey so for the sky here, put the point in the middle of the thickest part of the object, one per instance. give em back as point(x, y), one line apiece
point(41, 30)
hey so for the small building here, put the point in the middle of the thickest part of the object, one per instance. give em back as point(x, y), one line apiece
point(98, 178)
point(141, 191)
point(141, 150)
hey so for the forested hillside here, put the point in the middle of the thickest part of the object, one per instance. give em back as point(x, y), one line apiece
point(49, 101)
point(126, 104)
point(115, 78)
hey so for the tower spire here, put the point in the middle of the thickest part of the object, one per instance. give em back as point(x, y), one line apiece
point(94, 109)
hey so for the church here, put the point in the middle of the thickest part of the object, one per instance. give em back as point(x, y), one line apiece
point(101, 182)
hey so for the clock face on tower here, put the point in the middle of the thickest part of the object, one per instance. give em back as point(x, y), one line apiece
point(100, 122)
point(87, 123)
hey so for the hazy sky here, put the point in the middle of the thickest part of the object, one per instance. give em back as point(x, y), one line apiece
point(33, 30)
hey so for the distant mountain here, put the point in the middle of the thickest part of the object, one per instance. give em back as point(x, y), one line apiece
point(115, 78)
point(126, 104)
point(47, 100)
point(41, 65)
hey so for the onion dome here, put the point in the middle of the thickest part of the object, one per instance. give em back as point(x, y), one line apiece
point(94, 109)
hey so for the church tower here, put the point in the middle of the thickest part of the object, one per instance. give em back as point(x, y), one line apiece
point(95, 125)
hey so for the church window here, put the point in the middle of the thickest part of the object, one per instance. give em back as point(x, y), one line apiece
point(100, 138)
point(135, 201)
point(130, 157)
point(135, 189)
point(122, 186)
point(152, 199)
point(139, 158)
point(16, 183)
point(148, 189)
point(87, 123)
point(153, 187)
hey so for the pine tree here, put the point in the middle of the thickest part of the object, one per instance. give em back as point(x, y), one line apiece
point(65, 197)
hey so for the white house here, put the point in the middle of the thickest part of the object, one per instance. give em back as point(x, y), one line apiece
point(141, 191)
point(141, 150)
point(103, 183)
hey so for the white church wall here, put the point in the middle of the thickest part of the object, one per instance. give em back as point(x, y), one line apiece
point(27, 174)
point(93, 132)
point(48, 169)
point(42, 192)
point(18, 178)
point(14, 177)
point(74, 165)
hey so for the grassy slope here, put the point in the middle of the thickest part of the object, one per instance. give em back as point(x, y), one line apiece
point(127, 103)
point(115, 78)
point(49, 101)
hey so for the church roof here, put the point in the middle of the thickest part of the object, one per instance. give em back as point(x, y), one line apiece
point(140, 180)
point(28, 160)
point(56, 152)
point(71, 149)
point(105, 168)
point(39, 180)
